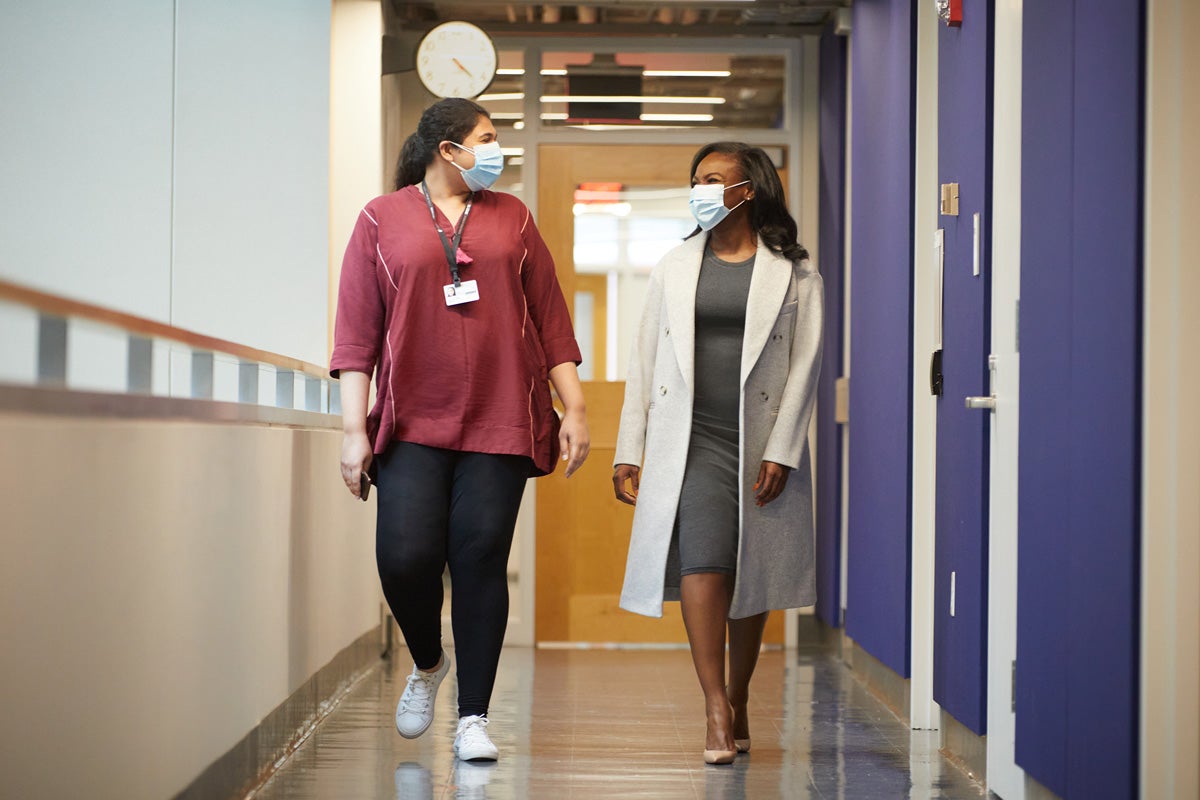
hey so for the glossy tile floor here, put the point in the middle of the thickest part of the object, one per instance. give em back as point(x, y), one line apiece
point(625, 724)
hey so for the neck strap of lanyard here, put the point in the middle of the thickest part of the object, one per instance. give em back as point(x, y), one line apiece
point(450, 246)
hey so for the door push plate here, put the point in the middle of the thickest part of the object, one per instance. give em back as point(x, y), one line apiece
point(841, 409)
point(949, 204)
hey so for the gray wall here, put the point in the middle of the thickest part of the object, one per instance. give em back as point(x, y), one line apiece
point(170, 159)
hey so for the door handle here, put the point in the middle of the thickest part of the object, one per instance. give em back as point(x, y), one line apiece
point(988, 402)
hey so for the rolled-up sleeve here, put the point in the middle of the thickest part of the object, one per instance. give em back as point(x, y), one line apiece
point(547, 308)
point(358, 330)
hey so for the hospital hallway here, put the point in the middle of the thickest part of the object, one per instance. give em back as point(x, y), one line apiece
point(628, 724)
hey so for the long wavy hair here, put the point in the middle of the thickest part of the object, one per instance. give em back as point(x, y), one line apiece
point(452, 120)
point(768, 210)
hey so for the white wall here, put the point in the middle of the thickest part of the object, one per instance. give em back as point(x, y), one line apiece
point(252, 172)
point(85, 150)
point(356, 173)
point(164, 586)
point(170, 159)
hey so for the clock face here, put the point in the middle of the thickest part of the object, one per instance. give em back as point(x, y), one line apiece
point(456, 59)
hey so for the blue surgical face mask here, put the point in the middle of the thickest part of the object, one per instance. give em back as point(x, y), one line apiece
point(707, 202)
point(489, 162)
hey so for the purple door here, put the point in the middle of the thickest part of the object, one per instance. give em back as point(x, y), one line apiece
point(964, 158)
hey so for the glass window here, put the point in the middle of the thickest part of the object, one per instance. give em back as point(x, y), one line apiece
point(504, 97)
point(621, 232)
point(606, 91)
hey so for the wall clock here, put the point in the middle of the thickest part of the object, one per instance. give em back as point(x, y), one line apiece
point(456, 59)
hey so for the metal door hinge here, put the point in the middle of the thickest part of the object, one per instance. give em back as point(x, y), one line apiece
point(1014, 686)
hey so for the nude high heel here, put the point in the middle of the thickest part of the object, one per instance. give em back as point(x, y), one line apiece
point(743, 745)
point(719, 756)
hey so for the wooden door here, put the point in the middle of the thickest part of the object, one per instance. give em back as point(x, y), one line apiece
point(582, 531)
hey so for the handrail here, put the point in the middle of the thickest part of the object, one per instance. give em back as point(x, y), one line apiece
point(66, 307)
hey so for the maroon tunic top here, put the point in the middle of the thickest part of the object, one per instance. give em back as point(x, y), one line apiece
point(470, 377)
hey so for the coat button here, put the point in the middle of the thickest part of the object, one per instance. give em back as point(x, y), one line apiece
point(667, 332)
point(778, 336)
point(662, 390)
point(764, 396)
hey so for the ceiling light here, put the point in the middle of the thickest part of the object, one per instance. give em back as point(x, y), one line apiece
point(614, 209)
point(675, 117)
point(686, 73)
point(511, 71)
point(486, 98)
point(629, 98)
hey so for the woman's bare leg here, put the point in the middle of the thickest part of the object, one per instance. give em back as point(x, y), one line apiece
point(705, 599)
point(745, 640)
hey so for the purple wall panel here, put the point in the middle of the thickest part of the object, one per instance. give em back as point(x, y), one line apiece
point(1105, 409)
point(1045, 341)
point(879, 604)
point(1078, 634)
point(831, 198)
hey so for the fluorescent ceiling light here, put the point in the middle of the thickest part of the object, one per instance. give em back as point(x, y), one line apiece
point(507, 115)
point(649, 73)
point(522, 72)
point(629, 98)
point(484, 98)
point(675, 117)
point(614, 209)
point(686, 73)
point(610, 127)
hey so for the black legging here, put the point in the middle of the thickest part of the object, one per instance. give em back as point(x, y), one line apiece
point(439, 507)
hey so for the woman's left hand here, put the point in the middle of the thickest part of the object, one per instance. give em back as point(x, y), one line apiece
point(573, 440)
point(772, 478)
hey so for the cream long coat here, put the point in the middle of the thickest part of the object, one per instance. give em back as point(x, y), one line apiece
point(781, 355)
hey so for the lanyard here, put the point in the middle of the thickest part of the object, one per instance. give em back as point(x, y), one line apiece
point(451, 247)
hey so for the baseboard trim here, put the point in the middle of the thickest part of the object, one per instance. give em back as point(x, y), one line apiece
point(964, 747)
point(250, 762)
point(880, 679)
point(1036, 791)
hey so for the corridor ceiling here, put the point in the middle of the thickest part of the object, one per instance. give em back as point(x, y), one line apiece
point(675, 18)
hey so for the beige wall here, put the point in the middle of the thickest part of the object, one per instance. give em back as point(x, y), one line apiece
point(163, 586)
point(1170, 731)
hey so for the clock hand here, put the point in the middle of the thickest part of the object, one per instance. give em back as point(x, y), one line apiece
point(460, 66)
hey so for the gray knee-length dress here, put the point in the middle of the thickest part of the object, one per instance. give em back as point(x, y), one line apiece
point(707, 519)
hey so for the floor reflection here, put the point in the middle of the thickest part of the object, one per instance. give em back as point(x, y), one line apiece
point(629, 724)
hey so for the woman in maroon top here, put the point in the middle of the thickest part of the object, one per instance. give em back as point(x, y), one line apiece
point(448, 294)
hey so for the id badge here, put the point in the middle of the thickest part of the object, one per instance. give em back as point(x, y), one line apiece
point(465, 292)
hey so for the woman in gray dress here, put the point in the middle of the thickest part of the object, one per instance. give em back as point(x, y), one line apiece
point(718, 399)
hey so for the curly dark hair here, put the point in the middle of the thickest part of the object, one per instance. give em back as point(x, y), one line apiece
point(768, 210)
point(452, 120)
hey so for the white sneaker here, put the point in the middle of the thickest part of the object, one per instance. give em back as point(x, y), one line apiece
point(414, 712)
point(471, 743)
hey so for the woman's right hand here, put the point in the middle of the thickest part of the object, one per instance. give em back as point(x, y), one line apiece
point(623, 473)
point(356, 458)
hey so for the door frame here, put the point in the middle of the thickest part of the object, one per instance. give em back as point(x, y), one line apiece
point(924, 711)
point(1004, 777)
point(798, 137)
point(562, 167)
